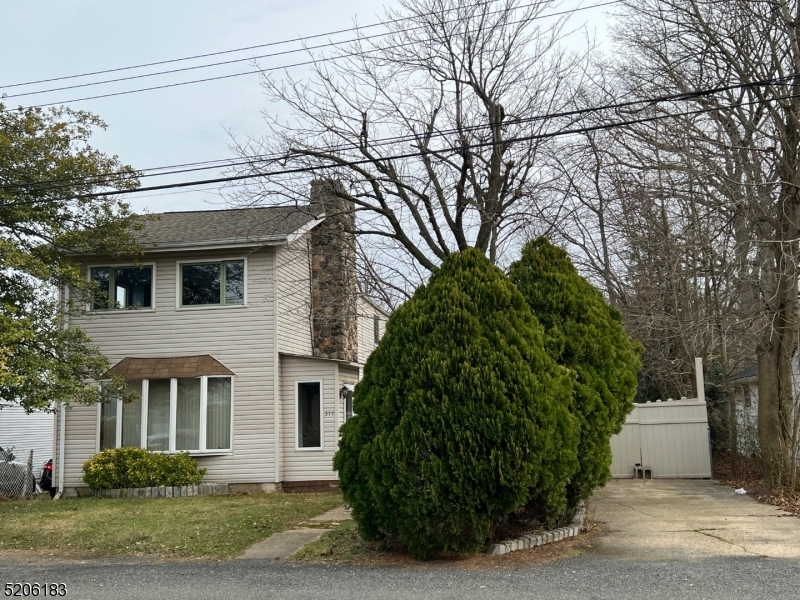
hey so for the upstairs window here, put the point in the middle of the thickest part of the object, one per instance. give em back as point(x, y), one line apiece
point(376, 329)
point(123, 287)
point(212, 283)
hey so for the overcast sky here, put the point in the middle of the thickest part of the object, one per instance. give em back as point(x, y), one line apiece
point(182, 124)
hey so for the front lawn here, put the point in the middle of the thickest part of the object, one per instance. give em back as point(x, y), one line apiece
point(343, 545)
point(195, 527)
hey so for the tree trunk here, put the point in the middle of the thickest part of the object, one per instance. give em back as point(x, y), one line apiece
point(775, 380)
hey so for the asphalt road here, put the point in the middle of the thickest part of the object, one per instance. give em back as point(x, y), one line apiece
point(576, 578)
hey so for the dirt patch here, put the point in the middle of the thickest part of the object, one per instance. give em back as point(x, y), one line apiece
point(752, 479)
point(344, 546)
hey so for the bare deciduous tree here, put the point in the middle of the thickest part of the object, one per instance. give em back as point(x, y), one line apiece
point(712, 190)
point(432, 129)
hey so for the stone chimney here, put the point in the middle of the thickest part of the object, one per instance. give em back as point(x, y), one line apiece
point(334, 290)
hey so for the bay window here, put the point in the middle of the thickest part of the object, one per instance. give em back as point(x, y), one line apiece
point(179, 414)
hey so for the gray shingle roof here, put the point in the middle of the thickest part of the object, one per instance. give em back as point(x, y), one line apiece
point(221, 227)
point(747, 373)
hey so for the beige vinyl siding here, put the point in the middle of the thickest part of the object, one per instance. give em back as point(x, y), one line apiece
point(294, 297)
point(347, 375)
point(366, 328)
point(80, 442)
point(240, 337)
point(308, 465)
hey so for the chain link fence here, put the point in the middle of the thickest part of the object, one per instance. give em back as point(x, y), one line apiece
point(17, 477)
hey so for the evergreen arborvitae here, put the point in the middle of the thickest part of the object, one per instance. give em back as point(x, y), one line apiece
point(583, 332)
point(462, 417)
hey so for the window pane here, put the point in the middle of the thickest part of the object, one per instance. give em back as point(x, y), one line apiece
point(234, 282)
point(108, 424)
point(133, 287)
point(201, 284)
point(101, 278)
point(132, 417)
point(218, 421)
point(309, 434)
point(158, 415)
point(187, 432)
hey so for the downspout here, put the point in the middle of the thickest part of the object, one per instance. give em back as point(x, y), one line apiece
point(62, 415)
point(276, 373)
point(61, 433)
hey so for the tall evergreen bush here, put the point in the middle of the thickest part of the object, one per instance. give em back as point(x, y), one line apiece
point(583, 332)
point(462, 417)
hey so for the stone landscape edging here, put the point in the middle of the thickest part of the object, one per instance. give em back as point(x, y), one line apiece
point(176, 491)
point(526, 542)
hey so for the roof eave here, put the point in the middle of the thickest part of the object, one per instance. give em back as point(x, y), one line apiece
point(273, 240)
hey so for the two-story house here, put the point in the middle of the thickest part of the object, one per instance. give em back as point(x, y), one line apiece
point(242, 332)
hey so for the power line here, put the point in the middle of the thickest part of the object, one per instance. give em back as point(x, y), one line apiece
point(244, 73)
point(233, 162)
point(434, 152)
point(222, 52)
point(206, 66)
point(271, 55)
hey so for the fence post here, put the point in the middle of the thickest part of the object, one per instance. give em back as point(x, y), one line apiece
point(27, 491)
point(698, 375)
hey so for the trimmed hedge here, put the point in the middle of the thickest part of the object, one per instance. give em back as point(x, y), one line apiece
point(138, 468)
point(462, 417)
point(583, 332)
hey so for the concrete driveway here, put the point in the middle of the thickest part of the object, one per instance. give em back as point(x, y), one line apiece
point(671, 519)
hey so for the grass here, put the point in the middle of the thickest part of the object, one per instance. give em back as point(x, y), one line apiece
point(342, 545)
point(183, 528)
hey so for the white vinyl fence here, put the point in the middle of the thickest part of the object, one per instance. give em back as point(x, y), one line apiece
point(27, 431)
point(670, 438)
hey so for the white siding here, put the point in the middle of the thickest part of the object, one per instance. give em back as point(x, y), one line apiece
point(347, 375)
point(366, 328)
point(308, 465)
point(671, 438)
point(294, 297)
point(26, 432)
point(239, 337)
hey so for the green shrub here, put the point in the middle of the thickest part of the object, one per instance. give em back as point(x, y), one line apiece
point(583, 332)
point(136, 468)
point(462, 417)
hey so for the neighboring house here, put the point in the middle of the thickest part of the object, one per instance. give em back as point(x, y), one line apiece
point(745, 385)
point(243, 332)
point(27, 431)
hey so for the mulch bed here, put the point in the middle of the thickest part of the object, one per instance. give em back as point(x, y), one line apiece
point(752, 479)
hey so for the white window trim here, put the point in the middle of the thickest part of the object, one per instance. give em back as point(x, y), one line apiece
point(173, 409)
point(117, 265)
point(297, 446)
point(204, 261)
